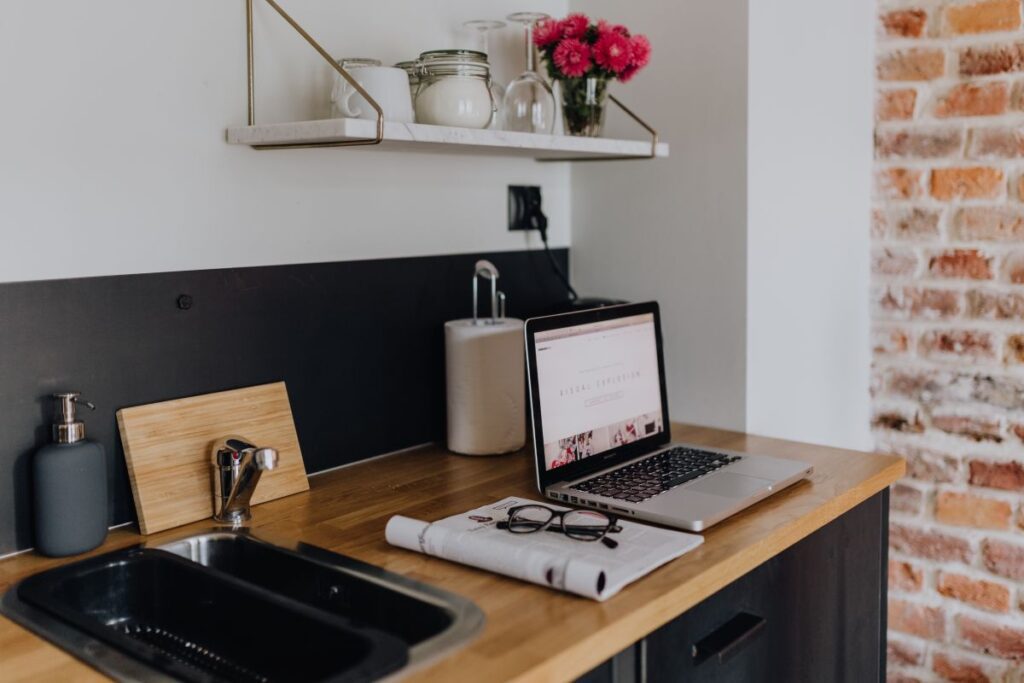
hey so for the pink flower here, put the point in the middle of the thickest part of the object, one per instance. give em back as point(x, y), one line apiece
point(627, 74)
point(604, 27)
point(572, 57)
point(546, 31)
point(574, 25)
point(641, 47)
point(613, 52)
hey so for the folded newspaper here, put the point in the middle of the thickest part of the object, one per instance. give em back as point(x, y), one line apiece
point(585, 568)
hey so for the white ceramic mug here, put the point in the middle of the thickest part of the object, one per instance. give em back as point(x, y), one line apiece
point(387, 85)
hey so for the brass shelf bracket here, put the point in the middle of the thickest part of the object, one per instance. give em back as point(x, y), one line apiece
point(250, 40)
point(643, 124)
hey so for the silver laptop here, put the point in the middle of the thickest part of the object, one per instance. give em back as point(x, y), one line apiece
point(601, 426)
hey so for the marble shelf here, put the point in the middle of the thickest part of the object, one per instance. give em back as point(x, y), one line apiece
point(414, 137)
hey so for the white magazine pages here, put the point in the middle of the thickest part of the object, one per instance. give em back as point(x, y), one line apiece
point(585, 568)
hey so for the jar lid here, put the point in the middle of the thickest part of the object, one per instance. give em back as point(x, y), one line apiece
point(455, 63)
point(466, 54)
point(348, 62)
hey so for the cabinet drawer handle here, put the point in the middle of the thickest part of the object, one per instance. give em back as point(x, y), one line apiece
point(727, 639)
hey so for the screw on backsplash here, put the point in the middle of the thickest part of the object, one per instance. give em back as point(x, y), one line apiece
point(184, 302)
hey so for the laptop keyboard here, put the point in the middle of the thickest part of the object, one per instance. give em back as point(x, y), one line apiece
point(659, 473)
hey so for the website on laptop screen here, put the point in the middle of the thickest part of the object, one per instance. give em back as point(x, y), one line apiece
point(598, 386)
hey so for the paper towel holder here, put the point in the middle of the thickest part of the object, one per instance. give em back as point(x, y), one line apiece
point(485, 268)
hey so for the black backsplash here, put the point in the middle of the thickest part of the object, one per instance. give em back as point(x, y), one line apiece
point(360, 345)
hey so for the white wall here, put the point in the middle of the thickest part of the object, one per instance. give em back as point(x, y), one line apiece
point(675, 230)
point(753, 235)
point(114, 161)
point(809, 167)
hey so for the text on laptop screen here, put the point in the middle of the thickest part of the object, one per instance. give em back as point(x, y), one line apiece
point(598, 387)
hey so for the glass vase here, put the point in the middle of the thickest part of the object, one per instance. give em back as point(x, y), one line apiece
point(584, 102)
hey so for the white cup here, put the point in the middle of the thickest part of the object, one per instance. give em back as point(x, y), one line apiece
point(387, 85)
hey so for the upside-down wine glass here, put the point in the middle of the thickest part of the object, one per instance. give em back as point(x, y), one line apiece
point(483, 28)
point(529, 102)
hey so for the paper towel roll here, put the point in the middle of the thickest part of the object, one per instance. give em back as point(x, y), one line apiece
point(486, 386)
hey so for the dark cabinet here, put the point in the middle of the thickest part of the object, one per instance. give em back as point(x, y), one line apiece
point(815, 612)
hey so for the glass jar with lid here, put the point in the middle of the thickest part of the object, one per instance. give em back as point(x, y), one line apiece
point(454, 89)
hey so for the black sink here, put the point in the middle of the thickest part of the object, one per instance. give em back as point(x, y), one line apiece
point(231, 606)
point(321, 585)
point(200, 625)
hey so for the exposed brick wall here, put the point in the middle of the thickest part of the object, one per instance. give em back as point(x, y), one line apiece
point(948, 314)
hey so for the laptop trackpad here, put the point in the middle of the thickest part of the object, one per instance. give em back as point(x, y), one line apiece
point(730, 485)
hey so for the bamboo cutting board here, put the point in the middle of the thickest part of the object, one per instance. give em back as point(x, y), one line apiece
point(167, 450)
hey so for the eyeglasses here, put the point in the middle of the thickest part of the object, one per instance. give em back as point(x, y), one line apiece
point(581, 525)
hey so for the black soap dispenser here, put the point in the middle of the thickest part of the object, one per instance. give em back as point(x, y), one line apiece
point(69, 478)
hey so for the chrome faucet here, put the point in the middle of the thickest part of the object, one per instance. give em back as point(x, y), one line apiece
point(237, 466)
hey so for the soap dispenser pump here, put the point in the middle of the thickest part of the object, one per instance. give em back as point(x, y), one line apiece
point(69, 485)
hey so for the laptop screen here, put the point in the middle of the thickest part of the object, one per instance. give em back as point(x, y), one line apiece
point(598, 386)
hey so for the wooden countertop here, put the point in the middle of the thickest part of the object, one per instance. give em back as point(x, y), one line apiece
point(532, 633)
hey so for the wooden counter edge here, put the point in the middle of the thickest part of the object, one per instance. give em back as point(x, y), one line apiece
point(585, 653)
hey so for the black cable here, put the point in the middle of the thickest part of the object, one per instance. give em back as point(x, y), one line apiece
point(540, 224)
